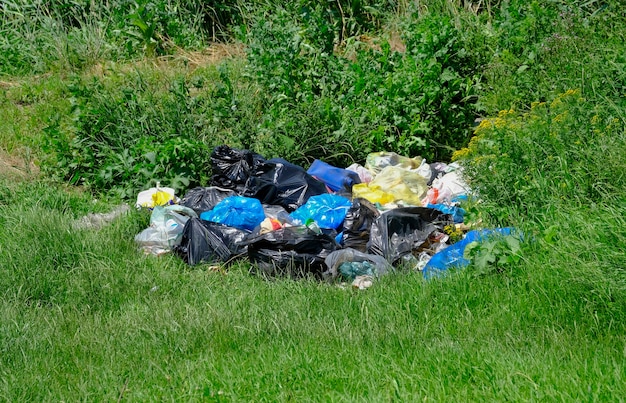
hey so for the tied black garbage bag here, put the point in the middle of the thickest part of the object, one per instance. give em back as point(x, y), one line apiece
point(232, 167)
point(203, 199)
point(291, 251)
point(357, 225)
point(205, 241)
point(403, 231)
point(282, 183)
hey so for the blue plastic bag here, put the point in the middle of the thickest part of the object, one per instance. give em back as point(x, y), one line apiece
point(337, 179)
point(236, 211)
point(327, 210)
point(452, 256)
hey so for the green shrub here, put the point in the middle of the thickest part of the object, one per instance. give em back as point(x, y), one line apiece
point(420, 102)
point(568, 152)
point(131, 133)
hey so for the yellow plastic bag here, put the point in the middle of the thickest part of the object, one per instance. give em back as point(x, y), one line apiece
point(407, 187)
point(376, 162)
point(393, 184)
point(161, 198)
point(373, 195)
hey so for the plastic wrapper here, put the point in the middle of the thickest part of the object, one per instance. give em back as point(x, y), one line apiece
point(376, 162)
point(327, 210)
point(204, 241)
point(203, 199)
point(290, 251)
point(352, 263)
point(279, 182)
point(336, 179)
point(358, 223)
point(236, 211)
point(232, 167)
point(456, 212)
point(406, 186)
point(403, 231)
point(165, 230)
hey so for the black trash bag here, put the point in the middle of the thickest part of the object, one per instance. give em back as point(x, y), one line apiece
point(282, 183)
point(232, 167)
point(210, 242)
point(357, 225)
point(203, 199)
point(403, 231)
point(292, 251)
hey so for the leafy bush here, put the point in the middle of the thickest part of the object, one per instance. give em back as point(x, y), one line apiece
point(131, 133)
point(419, 102)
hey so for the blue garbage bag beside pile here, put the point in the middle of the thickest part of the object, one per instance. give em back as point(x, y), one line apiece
point(288, 221)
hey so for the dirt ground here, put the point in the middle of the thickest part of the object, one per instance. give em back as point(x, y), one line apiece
point(15, 166)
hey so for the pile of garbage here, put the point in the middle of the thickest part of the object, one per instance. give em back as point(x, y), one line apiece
point(356, 223)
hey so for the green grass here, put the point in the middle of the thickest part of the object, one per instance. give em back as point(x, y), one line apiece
point(85, 315)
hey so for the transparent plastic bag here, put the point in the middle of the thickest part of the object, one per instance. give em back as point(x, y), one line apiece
point(165, 230)
point(376, 162)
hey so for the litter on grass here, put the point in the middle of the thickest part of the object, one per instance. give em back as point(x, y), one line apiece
point(354, 224)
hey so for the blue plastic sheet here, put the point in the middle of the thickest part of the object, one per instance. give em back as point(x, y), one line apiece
point(236, 211)
point(327, 210)
point(452, 256)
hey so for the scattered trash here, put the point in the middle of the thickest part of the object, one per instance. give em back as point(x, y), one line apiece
point(446, 188)
point(99, 220)
point(456, 212)
point(362, 282)
point(356, 223)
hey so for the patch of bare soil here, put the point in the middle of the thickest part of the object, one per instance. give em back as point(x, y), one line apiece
point(16, 167)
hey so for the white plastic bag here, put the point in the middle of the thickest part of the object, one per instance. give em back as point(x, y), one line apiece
point(165, 230)
point(446, 188)
point(156, 196)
